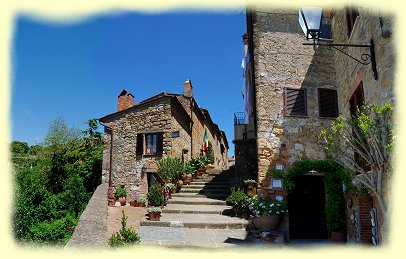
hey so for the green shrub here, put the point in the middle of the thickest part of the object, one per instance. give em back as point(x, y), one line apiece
point(170, 168)
point(125, 236)
point(210, 153)
point(155, 196)
point(335, 202)
point(121, 192)
point(237, 198)
point(188, 168)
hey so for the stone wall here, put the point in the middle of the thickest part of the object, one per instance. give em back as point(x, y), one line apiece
point(370, 24)
point(182, 124)
point(281, 61)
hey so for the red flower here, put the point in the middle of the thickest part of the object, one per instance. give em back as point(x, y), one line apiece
point(70, 228)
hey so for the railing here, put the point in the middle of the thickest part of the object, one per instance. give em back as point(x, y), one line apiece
point(239, 118)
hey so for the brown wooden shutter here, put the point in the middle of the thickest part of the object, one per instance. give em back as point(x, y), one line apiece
point(140, 144)
point(328, 106)
point(160, 143)
point(295, 102)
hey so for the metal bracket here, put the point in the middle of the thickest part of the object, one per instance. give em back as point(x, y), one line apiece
point(366, 58)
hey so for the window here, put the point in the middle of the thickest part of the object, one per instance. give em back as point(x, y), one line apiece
point(149, 144)
point(295, 102)
point(351, 15)
point(328, 103)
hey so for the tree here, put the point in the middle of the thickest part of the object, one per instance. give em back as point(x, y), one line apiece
point(369, 133)
point(19, 148)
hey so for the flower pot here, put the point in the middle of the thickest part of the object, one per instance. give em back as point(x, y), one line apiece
point(201, 170)
point(266, 222)
point(251, 190)
point(154, 216)
point(238, 212)
point(122, 200)
point(136, 204)
point(338, 237)
point(187, 179)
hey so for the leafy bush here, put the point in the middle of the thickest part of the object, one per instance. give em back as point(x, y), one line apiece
point(125, 236)
point(188, 168)
point(171, 168)
point(198, 162)
point(170, 186)
point(335, 202)
point(210, 153)
point(155, 196)
point(237, 198)
point(154, 209)
point(121, 192)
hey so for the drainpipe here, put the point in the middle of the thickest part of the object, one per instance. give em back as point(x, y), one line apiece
point(111, 191)
point(191, 128)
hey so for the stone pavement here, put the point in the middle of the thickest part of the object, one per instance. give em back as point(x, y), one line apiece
point(194, 218)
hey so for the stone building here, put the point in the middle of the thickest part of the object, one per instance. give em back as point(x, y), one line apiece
point(292, 92)
point(164, 125)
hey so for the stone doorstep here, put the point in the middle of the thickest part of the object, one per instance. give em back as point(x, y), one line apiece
point(208, 183)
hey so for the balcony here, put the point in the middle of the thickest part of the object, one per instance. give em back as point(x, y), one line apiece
point(239, 118)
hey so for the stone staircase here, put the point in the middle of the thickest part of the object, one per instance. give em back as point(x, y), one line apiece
point(194, 217)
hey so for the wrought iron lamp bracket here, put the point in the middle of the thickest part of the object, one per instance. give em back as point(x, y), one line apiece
point(366, 58)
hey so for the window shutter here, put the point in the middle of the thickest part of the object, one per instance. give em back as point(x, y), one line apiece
point(140, 144)
point(160, 143)
point(328, 103)
point(295, 102)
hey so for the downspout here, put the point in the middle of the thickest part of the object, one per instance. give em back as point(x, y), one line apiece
point(191, 128)
point(111, 151)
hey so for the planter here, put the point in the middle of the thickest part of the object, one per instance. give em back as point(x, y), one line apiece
point(338, 237)
point(201, 170)
point(251, 190)
point(136, 204)
point(238, 212)
point(154, 216)
point(266, 222)
point(187, 179)
point(122, 200)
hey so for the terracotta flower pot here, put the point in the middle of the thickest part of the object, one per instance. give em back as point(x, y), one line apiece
point(338, 237)
point(266, 222)
point(187, 179)
point(251, 190)
point(136, 204)
point(122, 200)
point(154, 216)
point(201, 170)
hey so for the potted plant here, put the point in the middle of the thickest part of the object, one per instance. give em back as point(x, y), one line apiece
point(137, 201)
point(154, 213)
point(188, 170)
point(251, 187)
point(155, 196)
point(121, 194)
point(169, 188)
point(267, 213)
point(239, 200)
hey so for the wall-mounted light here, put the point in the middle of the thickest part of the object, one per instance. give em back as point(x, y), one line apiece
point(310, 19)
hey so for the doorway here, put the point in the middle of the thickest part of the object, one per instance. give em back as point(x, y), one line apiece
point(307, 217)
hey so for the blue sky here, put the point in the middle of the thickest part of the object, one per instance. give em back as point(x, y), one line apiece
point(76, 71)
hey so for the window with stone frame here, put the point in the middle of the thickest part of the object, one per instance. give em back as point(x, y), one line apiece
point(149, 143)
point(328, 105)
point(295, 102)
point(351, 15)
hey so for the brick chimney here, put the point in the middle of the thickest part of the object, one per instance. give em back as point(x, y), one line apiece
point(125, 100)
point(188, 89)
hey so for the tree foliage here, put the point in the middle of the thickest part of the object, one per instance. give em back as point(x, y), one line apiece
point(369, 133)
point(54, 182)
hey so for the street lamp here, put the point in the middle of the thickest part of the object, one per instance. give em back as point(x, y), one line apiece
point(310, 20)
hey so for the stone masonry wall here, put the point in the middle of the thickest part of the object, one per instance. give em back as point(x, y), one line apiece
point(126, 166)
point(370, 24)
point(181, 124)
point(282, 61)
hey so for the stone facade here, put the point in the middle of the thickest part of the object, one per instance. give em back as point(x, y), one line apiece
point(166, 115)
point(281, 62)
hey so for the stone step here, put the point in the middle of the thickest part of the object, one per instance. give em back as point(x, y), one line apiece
point(200, 182)
point(195, 209)
point(221, 196)
point(204, 190)
point(212, 221)
point(197, 200)
point(207, 185)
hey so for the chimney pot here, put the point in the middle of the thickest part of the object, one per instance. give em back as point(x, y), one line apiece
point(188, 89)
